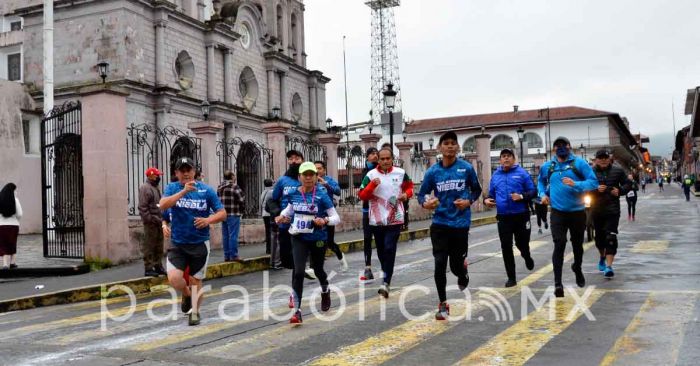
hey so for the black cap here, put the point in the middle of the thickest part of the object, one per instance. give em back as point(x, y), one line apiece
point(449, 135)
point(292, 152)
point(561, 139)
point(602, 154)
point(185, 161)
point(371, 150)
point(507, 151)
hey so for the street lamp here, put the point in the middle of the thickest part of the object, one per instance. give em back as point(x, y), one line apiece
point(370, 123)
point(103, 69)
point(275, 112)
point(389, 100)
point(329, 123)
point(205, 110)
point(583, 150)
point(521, 134)
point(404, 136)
point(431, 141)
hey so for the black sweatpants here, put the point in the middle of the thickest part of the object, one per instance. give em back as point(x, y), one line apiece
point(575, 224)
point(514, 226)
point(449, 244)
point(285, 240)
point(605, 227)
point(386, 238)
point(367, 231)
point(541, 211)
point(268, 234)
point(631, 206)
point(302, 249)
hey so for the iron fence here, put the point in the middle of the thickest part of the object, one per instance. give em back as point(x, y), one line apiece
point(311, 149)
point(353, 162)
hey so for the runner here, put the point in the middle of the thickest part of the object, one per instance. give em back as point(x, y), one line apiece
point(510, 190)
point(386, 187)
point(190, 203)
point(541, 211)
point(455, 186)
point(612, 183)
point(333, 190)
point(370, 163)
point(309, 210)
point(561, 184)
point(632, 198)
point(286, 184)
point(686, 184)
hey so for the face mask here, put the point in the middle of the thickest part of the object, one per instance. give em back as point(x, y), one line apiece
point(156, 181)
point(562, 151)
point(294, 170)
point(371, 165)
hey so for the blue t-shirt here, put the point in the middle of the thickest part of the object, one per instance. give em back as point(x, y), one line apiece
point(307, 204)
point(449, 184)
point(283, 186)
point(334, 187)
point(199, 203)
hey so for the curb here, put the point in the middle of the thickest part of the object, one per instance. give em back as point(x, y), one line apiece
point(146, 285)
point(44, 272)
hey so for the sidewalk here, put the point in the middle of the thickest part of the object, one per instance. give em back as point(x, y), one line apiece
point(30, 253)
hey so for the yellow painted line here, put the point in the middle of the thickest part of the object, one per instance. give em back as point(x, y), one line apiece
point(516, 252)
point(650, 246)
point(655, 334)
point(388, 344)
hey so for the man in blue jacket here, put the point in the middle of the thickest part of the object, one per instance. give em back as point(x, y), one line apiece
point(455, 187)
point(561, 184)
point(510, 190)
point(287, 183)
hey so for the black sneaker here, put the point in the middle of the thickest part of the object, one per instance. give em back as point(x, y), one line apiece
point(511, 282)
point(529, 263)
point(559, 291)
point(151, 273)
point(326, 300)
point(463, 283)
point(384, 290)
point(368, 276)
point(546, 226)
point(186, 304)
point(194, 319)
point(161, 270)
point(13, 266)
point(580, 280)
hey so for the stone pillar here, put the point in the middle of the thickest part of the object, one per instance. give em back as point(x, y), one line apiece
point(211, 77)
point(330, 142)
point(431, 155)
point(473, 159)
point(228, 77)
point(201, 8)
point(405, 155)
point(276, 133)
point(370, 140)
point(208, 131)
point(284, 106)
point(105, 208)
point(160, 52)
point(270, 87)
point(483, 150)
point(313, 108)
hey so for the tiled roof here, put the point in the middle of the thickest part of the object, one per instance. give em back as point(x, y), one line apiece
point(528, 116)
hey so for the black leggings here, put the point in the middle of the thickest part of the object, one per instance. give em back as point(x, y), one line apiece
point(631, 206)
point(367, 230)
point(575, 224)
point(605, 227)
point(331, 244)
point(510, 227)
point(449, 244)
point(301, 250)
point(541, 211)
point(286, 248)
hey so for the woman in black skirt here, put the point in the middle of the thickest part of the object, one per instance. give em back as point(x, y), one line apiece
point(10, 213)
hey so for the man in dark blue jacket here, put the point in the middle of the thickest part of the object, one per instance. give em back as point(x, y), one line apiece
point(286, 184)
point(510, 190)
point(561, 184)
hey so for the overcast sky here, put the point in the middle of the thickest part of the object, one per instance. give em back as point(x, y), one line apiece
point(457, 57)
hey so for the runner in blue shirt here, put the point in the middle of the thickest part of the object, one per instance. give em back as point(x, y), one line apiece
point(455, 187)
point(190, 203)
point(308, 212)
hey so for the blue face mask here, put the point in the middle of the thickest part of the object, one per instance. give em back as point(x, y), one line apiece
point(562, 151)
point(371, 165)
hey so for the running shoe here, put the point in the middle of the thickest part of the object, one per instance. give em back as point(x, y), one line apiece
point(546, 226)
point(539, 231)
point(343, 264)
point(511, 283)
point(309, 273)
point(609, 272)
point(194, 319)
point(443, 311)
point(601, 264)
point(291, 301)
point(529, 263)
point(368, 276)
point(326, 300)
point(559, 291)
point(384, 290)
point(463, 283)
point(296, 318)
point(580, 280)
point(186, 304)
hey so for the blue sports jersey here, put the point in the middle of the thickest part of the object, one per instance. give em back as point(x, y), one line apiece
point(449, 184)
point(307, 204)
point(199, 203)
point(284, 186)
point(333, 185)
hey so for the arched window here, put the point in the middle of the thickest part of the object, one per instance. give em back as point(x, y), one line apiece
point(248, 87)
point(533, 140)
point(469, 145)
point(501, 142)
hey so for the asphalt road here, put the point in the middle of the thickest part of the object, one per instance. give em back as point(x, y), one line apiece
point(646, 315)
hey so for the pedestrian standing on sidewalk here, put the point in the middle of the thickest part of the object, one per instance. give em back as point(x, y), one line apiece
point(151, 215)
point(631, 198)
point(233, 199)
point(605, 211)
point(510, 189)
point(561, 184)
point(10, 214)
point(661, 184)
point(286, 184)
point(310, 211)
point(386, 187)
point(265, 214)
point(190, 203)
point(333, 189)
point(370, 163)
point(541, 211)
point(687, 182)
point(455, 186)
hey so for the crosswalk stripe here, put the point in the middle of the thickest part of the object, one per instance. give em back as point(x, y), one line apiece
point(650, 246)
point(388, 344)
point(654, 335)
point(517, 344)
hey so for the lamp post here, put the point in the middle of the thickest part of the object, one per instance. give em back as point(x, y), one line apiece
point(275, 112)
point(521, 135)
point(205, 110)
point(431, 141)
point(583, 151)
point(404, 136)
point(329, 123)
point(370, 123)
point(103, 69)
point(389, 100)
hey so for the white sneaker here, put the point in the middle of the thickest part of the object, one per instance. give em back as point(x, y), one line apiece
point(343, 264)
point(309, 273)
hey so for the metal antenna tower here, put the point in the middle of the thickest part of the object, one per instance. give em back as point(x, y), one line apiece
point(385, 56)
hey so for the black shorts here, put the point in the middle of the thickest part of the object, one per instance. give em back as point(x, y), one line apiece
point(195, 256)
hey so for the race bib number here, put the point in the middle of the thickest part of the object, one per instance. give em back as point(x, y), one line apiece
point(302, 224)
point(630, 194)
